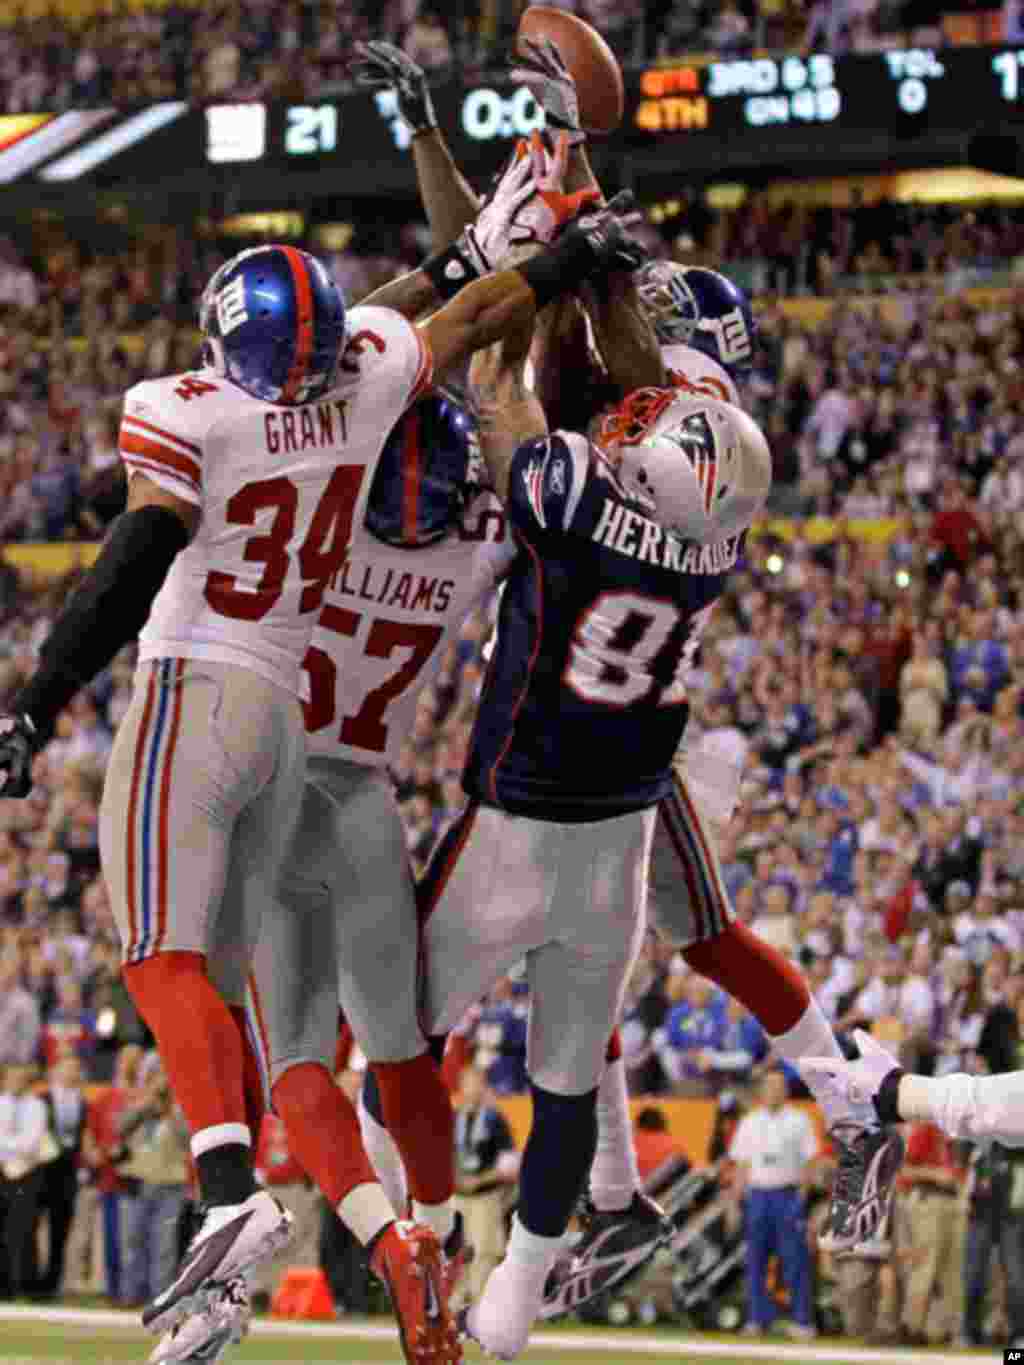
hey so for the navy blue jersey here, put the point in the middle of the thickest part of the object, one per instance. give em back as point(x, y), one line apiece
point(585, 699)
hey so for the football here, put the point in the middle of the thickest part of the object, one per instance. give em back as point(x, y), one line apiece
point(589, 58)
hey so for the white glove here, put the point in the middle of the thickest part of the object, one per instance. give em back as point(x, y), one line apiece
point(541, 69)
point(528, 206)
point(857, 1082)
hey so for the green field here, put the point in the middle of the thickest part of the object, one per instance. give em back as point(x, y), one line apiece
point(68, 1337)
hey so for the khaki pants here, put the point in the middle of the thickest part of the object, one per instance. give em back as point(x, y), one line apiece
point(83, 1256)
point(484, 1216)
point(930, 1238)
point(303, 1203)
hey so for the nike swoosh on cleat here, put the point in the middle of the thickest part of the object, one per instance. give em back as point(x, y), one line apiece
point(197, 1268)
point(433, 1302)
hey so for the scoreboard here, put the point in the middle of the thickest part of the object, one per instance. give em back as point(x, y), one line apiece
point(902, 90)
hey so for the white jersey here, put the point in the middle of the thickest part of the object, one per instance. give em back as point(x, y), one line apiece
point(973, 1107)
point(388, 618)
point(696, 372)
point(713, 777)
point(279, 490)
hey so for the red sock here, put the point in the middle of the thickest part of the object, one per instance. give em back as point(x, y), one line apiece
point(252, 1079)
point(761, 978)
point(323, 1130)
point(614, 1050)
point(345, 1045)
point(418, 1115)
point(197, 1038)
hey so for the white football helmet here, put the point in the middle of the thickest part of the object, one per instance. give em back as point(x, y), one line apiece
point(700, 467)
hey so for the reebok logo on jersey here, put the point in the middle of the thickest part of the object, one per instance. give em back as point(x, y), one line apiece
point(231, 310)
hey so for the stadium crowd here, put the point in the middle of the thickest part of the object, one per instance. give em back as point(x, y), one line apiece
point(62, 54)
point(866, 676)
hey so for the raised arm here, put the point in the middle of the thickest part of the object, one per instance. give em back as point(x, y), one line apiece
point(622, 332)
point(106, 611)
point(448, 198)
point(507, 411)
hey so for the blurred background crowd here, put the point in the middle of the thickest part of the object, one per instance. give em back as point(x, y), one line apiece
point(60, 54)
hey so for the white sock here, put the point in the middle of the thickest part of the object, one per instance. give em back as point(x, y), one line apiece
point(529, 1252)
point(383, 1154)
point(438, 1217)
point(614, 1176)
point(365, 1211)
point(811, 1036)
point(219, 1135)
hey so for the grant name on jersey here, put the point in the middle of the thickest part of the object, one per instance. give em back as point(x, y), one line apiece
point(306, 428)
point(630, 533)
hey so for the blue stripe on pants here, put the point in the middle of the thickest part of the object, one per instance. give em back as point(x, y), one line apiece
point(774, 1223)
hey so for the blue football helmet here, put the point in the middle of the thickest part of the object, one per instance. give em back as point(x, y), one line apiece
point(691, 306)
point(428, 471)
point(273, 322)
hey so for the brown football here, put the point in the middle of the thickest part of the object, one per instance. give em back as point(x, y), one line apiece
point(589, 58)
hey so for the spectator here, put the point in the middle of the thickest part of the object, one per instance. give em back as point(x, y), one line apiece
point(69, 1026)
point(930, 1238)
point(20, 1025)
point(66, 1118)
point(25, 1147)
point(486, 1167)
point(657, 1151)
point(773, 1147)
point(154, 1161)
point(501, 1038)
point(102, 1149)
point(995, 1222)
point(693, 1027)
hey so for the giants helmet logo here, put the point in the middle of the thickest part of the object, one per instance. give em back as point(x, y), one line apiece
point(731, 336)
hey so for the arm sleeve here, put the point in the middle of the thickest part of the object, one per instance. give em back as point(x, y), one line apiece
point(740, 1147)
point(155, 441)
point(548, 483)
point(972, 1107)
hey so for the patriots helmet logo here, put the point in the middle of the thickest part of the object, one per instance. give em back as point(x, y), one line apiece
point(695, 438)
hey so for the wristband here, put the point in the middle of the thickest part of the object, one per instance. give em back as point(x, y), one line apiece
point(450, 270)
point(886, 1101)
point(559, 269)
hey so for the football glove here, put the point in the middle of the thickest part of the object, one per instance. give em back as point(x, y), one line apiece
point(380, 65)
point(604, 230)
point(528, 206)
point(539, 66)
point(857, 1082)
point(19, 744)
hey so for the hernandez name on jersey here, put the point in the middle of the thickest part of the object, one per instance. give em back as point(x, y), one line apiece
point(602, 610)
point(280, 490)
point(389, 615)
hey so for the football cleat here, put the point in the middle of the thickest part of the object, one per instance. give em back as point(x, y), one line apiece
point(229, 1240)
point(205, 1336)
point(609, 1251)
point(869, 1161)
point(409, 1260)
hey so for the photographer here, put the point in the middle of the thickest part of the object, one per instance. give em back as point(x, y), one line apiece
point(153, 1159)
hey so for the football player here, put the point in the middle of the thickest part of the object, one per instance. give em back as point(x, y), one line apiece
point(706, 329)
point(246, 478)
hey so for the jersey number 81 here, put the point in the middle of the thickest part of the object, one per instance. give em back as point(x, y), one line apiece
point(628, 648)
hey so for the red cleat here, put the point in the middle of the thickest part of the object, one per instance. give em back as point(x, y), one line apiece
point(409, 1260)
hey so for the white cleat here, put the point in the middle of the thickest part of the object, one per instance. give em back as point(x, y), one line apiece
point(501, 1319)
point(230, 1240)
point(205, 1336)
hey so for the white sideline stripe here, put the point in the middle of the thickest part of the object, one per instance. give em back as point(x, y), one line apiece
point(624, 1343)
